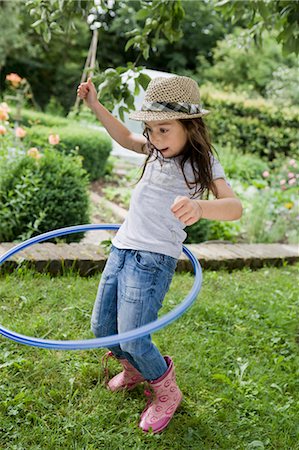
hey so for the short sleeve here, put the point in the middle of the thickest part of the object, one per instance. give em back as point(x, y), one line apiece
point(217, 169)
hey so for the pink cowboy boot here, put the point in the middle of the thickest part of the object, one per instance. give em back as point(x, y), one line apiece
point(166, 399)
point(127, 379)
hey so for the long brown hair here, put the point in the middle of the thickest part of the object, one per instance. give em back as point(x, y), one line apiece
point(198, 150)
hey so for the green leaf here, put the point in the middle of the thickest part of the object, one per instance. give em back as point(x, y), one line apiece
point(263, 10)
point(54, 26)
point(222, 3)
point(142, 14)
point(130, 43)
point(130, 101)
point(121, 111)
point(47, 35)
point(145, 52)
point(137, 88)
point(110, 72)
point(60, 4)
point(143, 80)
point(38, 22)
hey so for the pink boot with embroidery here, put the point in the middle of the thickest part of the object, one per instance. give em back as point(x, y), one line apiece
point(127, 379)
point(164, 402)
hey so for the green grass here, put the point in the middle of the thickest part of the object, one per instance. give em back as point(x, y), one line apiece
point(235, 353)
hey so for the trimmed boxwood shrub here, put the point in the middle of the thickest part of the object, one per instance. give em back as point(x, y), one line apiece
point(93, 145)
point(39, 195)
point(251, 126)
point(30, 117)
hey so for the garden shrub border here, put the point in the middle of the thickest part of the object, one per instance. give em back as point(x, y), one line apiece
point(251, 125)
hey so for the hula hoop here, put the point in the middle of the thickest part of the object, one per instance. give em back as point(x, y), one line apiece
point(106, 341)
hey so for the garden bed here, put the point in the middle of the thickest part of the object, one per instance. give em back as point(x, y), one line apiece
point(270, 201)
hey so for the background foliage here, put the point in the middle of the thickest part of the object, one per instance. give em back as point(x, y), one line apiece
point(243, 59)
point(42, 195)
point(197, 36)
point(93, 146)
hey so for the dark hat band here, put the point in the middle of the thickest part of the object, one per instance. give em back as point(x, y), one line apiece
point(185, 108)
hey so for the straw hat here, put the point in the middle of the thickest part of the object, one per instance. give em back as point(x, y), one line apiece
point(170, 98)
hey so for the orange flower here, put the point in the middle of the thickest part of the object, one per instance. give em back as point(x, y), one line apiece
point(34, 153)
point(20, 132)
point(2, 130)
point(4, 110)
point(3, 114)
point(54, 139)
point(14, 78)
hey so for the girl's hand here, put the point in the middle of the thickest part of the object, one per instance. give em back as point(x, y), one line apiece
point(186, 210)
point(87, 92)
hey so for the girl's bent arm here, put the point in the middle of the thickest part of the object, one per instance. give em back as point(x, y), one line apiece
point(226, 207)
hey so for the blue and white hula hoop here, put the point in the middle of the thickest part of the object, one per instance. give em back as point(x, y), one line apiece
point(106, 341)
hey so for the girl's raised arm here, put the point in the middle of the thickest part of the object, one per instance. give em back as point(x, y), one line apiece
point(118, 132)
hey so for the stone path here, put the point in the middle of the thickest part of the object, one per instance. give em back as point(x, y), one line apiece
point(91, 258)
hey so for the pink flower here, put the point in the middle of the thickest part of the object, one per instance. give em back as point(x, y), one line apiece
point(266, 174)
point(292, 181)
point(282, 182)
point(4, 111)
point(54, 139)
point(292, 162)
point(2, 130)
point(4, 106)
point(14, 78)
point(3, 115)
point(20, 132)
point(291, 175)
point(34, 153)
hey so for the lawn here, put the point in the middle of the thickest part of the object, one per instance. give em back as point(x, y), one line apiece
point(235, 352)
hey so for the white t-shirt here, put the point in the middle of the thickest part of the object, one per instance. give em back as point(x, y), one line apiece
point(150, 224)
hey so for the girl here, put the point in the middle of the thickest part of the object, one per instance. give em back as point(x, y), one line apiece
point(179, 169)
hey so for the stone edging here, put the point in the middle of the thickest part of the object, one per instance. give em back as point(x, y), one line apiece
point(89, 258)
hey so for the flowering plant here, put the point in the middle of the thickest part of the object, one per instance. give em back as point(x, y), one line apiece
point(11, 136)
point(20, 92)
point(284, 176)
point(271, 205)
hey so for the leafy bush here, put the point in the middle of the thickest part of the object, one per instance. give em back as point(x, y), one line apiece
point(251, 125)
point(30, 117)
point(93, 145)
point(198, 232)
point(270, 217)
point(210, 230)
point(54, 107)
point(245, 167)
point(239, 65)
point(270, 205)
point(39, 195)
point(284, 88)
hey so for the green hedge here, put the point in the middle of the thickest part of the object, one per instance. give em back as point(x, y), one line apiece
point(39, 195)
point(93, 145)
point(251, 125)
point(30, 117)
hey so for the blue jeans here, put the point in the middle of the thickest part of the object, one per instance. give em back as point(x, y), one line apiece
point(130, 294)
